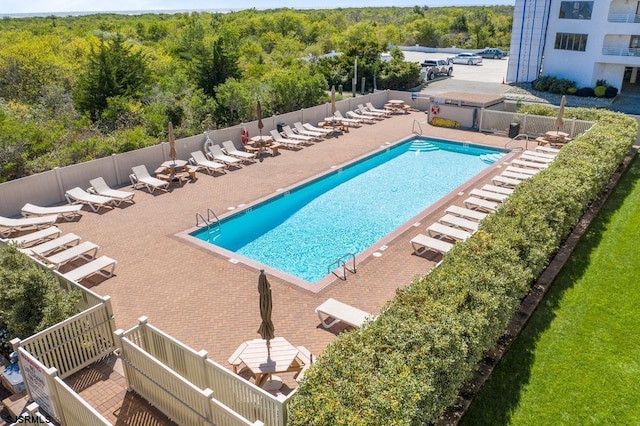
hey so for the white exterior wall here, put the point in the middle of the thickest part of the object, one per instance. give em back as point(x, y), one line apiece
point(536, 23)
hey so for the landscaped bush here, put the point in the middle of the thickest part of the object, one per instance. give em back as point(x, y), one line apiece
point(599, 91)
point(561, 85)
point(611, 92)
point(409, 365)
point(543, 83)
point(572, 90)
point(585, 92)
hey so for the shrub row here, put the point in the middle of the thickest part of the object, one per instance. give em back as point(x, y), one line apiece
point(408, 366)
point(562, 86)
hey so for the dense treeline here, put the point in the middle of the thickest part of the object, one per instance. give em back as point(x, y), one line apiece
point(77, 88)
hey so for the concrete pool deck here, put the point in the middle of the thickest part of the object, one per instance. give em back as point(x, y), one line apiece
point(209, 303)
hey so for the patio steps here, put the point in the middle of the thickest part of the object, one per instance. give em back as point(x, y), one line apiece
point(491, 158)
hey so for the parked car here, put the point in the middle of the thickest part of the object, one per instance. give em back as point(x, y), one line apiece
point(492, 53)
point(465, 58)
point(434, 67)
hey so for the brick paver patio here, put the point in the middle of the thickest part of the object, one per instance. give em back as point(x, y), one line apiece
point(210, 303)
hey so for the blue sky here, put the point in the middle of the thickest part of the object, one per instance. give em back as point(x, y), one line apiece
point(57, 6)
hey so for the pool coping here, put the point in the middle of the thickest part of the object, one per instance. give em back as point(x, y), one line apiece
point(377, 247)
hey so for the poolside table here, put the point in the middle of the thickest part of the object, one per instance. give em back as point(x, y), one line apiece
point(282, 357)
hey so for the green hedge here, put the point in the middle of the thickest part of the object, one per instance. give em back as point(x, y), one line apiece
point(409, 365)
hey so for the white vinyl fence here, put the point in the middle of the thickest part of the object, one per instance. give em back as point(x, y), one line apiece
point(531, 125)
point(226, 390)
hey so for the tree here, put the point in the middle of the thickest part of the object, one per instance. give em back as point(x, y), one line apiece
point(114, 69)
point(398, 74)
point(30, 298)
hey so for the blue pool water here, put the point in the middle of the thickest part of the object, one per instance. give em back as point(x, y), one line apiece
point(305, 230)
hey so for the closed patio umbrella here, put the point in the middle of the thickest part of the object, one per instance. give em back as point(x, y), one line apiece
point(259, 114)
point(333, 100)
point(559, 121)
point(266, 330)
point(172, 144)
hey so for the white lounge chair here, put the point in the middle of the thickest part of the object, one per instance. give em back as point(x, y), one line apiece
point(199, 159)
point(215, 153)
point(354, 115)
point(349, 121)
point(514, 175)
point(550, 156)
point(299, 127)
point(498, 189)
point(103, 266)
point(422, 243)
point(325, 131)
point(459, 222)
point(86, 250)
point(289, 133)
point(231, 149)
point(487, 195)
point(547, 149)
point(100, 187)
point(371, 108)
point(78, 195)
point(479, 203)
point(466, 213)
point(506, 181)
point(66, 240)
point(362, 110)
point(438, 229)
point(289, 143)
point(141, 178)
point(536, 159)
point(34, 237)
point(341, 312)
point(529, 164)
point(64, 212)
point(522, 170)
point(13, 225)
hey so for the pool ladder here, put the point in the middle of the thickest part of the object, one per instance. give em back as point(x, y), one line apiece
point(212, 223)
point(341, 262)
point(417, 128)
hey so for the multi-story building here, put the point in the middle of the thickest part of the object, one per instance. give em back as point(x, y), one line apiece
point(583, 41)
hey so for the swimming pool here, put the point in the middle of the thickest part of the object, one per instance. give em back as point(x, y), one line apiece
point(305, 230)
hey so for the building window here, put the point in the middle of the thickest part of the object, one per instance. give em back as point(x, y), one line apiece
point(566, 41)
point(634, 42)
point(576, 9)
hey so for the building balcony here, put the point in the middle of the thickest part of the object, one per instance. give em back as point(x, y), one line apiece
point(621, 51)
point(626, 18)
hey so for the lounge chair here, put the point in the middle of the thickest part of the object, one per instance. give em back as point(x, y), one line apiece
point(354, 115)
point(78, 195)
point(13, 225)
point(371, 108)
point(547, 149)
point(289, 133)
point(548, 155)
point(313, 128)
point(498, 189)
point(302, 131)
point(63, 212)
point(522, 170)
point(34, 237)
point(514, 175)
point(96, 266)
point(535, 158)
point(199, 159)
point(487, 195)
point(529, 164)
point(231, 149)
point(289, 143)
point(459, 222)
point(215, 153)
point(422, 243)
point(66, 240)
point(466, 213)
point(306, 357)
point(86, 250)
point(141, 178)
point(438, 229)
point(100, 187)
point(479, 203)
point(341, 312)
point(506, 181)
point(348, 121)
point(362, 110)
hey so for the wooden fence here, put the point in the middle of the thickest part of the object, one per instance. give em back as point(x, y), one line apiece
point(228, 390)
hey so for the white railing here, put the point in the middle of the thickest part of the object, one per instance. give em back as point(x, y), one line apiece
point(621, 51)
point(531, 125)
point(75, 410)
point(76, 342)
point(230, 390)
point(628, 18)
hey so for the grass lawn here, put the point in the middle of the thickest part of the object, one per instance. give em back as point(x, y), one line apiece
point(578, 360)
